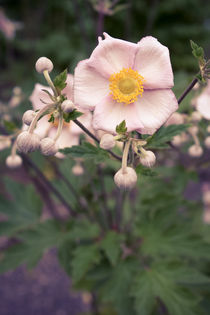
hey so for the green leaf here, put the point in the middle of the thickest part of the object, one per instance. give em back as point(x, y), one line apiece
point(60, 80)
point(9, 126)
point(145, 171)
point(84, 258)
point(84, 229)
point(197, 51)
point(72, 115)
point(111, 246)
point(121, 128)
point(22, 211)
point(52, 118)
point(87, 151)
point(164, 135)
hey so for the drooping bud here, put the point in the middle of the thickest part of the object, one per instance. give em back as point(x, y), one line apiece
point(207, 142)
point(126, 179)
point(48, 146)
point(28, 142)
point(147, 158)
point(107, 141)
point(43, 64)
point(14, 161)
point(196, 116)
point(77, 169)
point(67, 106)
point(5, 143)
point(28, 116)
point(195, 150)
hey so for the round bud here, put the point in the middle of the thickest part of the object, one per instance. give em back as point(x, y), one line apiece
point(48, 146)
point(195, 150)
point(13, 161)
point(28, 142)
point(28, 116)
point(147, 158)
point(43, 64)
point(126, 179)
point(193, 130)
point(207, 142)
point(206, 197)
point(107, 141)
point(196, 116)
point(208, 129)
point(77, 170)
point(67, 106)
point(177, 140)
point(206, 216)
point(5, 143)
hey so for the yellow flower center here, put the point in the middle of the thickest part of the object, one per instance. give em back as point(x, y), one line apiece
point(126, 85)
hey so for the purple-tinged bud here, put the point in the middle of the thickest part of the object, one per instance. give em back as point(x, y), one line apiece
point(48, 146)
point(147, 158)
point(126, 179)
point(195, 150)
point(67, 106)
point(28, 116)
point(28, 142)
point(43, 64)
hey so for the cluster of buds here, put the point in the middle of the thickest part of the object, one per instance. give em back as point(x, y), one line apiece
point(28, 140)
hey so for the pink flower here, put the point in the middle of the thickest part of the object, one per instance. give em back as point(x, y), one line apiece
point(126, 81)
point(8, 27)
point(70, 132)
point(203, 102)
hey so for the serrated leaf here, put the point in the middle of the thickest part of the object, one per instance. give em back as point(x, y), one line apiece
point(111, 246)
point(87, 151)
point(121, 128)
point(84, 258)
point(164, 135)
point(145, 171)
point(60, 80)
point(72, 115)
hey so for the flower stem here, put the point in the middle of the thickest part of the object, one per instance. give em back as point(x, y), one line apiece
point(50, 82)
point(188, 89)
point(38, 115)
point(60, 126)
point(125, 156)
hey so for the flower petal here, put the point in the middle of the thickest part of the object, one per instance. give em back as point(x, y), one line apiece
point(108, 114)
point(69, 87)
point(111, 55)
point(153, 63)
point(154, 109)
point(89, 86)
point(38, 95)
point(203, 105)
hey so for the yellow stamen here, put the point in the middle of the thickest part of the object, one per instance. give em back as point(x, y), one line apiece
point(126, 85)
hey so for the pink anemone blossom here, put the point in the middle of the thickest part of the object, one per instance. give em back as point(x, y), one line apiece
point(202, 102)
point(126, 81)
point(70, 132)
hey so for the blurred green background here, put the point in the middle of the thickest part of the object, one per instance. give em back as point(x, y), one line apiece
point(66, 31)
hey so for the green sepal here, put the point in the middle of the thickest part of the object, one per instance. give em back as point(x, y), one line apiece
point(60, 80)
point(121, 128)
point(72, 115)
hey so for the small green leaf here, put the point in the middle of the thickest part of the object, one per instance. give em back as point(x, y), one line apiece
point(60, 80)
point(145, 171)
point(111, 246)
point(52, 118)
point(87, 151)
point(197, 51)
point(121, 128)
point(164, 135)
point(9, 126)
point(72, 115)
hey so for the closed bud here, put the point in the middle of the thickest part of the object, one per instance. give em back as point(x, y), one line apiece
point(195, 150)
point(147, 158)
point(193, 130)
point(206, 197)
point(177, 140)
point(207, 142)
point(208, 129)
point(107, 141)
point(77, 170)
point(48, 146)
point(28, 142)
point(13, 161)
point(67, 106)
point(196, 116)
point(43, 64)
point(125, 179)
point(28, 116)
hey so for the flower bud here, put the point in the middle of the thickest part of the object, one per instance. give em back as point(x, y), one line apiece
point(206, 216)
point(107, 141)
point(206, 197)
point(147, 158)
point(126, 179)
point(196, 116)
point(195, 150)
point(77, 170)
point(67, 106)
point(177, 140)
point(5, 143)
point(28, 116)
point(13, 161)
point(17, 90)
point(28, 142)
point(48, 146)
point(193, 130)
point(207, 142)
point(43, 64)
point(208, 129)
